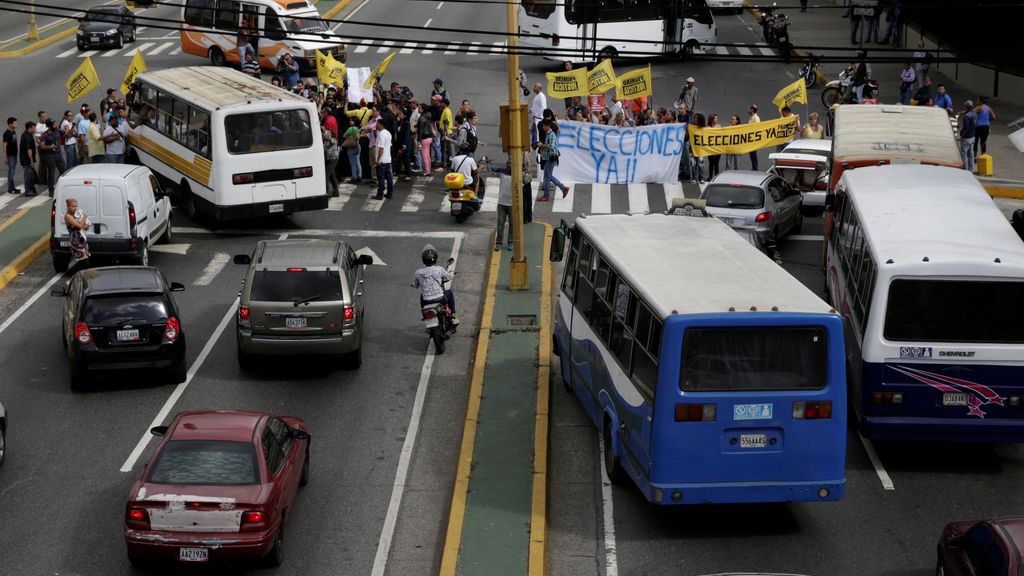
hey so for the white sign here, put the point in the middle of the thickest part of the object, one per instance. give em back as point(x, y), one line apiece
point(356, 78)
point(598, 154)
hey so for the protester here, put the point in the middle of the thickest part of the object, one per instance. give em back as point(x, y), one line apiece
point(549, 159)
point(688, 95)
point(754, 119)
point(27, 156)
point(288, 68)
point(77, 222)
point(713, 159)
point(425, 133)
point(985, 116)
point(697, 169)
point(537, 107)
point(82, 133)
point(382, 148)
point(732, 161)
point(70, 140)
point(943, 100)
point(351, 145)
point(923, 96)
point(113, 137)
point(49, 153)
point(505, 206)
point(813, 130)
point(923, 59)
point(330, 160)
point(907, 79)
point(968, 131)
point(11, 153)
point(251, 66)
point(94, 138)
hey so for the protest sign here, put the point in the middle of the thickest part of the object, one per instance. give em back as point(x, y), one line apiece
point(602, 154)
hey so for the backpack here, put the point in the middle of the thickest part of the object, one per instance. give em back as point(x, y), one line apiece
point(471, 140)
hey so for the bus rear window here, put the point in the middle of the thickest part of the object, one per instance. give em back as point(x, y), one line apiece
point(268, 131)
point(762, 358)
point(955, 311)
point(539, 8)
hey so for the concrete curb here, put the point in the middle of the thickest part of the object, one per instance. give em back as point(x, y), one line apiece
point(42, 43)
point(24, 260)
point(1003, 188)
point(539, 496)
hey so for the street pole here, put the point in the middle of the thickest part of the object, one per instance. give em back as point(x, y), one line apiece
point(518, 270)
point(33, 32)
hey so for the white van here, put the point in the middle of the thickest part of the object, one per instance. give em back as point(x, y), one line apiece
point(126, 207)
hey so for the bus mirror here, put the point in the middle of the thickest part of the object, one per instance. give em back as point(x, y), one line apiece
point(830, 202)
point(558, 243)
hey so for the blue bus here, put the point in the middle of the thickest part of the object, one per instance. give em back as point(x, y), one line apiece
point(712, 375)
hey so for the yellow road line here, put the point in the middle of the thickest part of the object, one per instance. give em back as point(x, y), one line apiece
point(337, 7)
point(997, 191)
point(14, 217)
point(11, 271)
point(539, 510)
point(460, 492)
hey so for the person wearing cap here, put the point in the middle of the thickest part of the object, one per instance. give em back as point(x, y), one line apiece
point(439, 89)
point(688, 95)
point(108, 102)
point(968, 128)
point(49, 153)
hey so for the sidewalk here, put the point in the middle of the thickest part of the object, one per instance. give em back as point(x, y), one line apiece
point(497, 523)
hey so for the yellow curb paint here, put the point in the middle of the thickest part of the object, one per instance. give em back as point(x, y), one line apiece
point(457, 513)
point(337, 7)
point(11, 271)
point(1005, 192)
point(539, 503)
point(14, 217)
point(37, 45)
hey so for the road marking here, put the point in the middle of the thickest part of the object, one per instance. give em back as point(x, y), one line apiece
point(32, 300)
point(140, 30)
point(217, 263)
point(564, 204)
point(638, 198)
point(744, 51)
point(353, 13)
point(179, 249)
point(428, 48)
point(439, 4)
point(474, 48)
point(160, 48)
point(88, 53)
point(766, 51)
point(806, 237)
point(446, 204)
point(385, 46)
point(364, 45)
point(611, 560)
point(409, 46)
point(451, 47)
point(541, 428)
point(413, 201)
point(170, 35)
point(721, 50)
point(491, 200)
point(387, 532)
point(673, 190)
point(67, 52)
point(344, 195)
point(427, 24)
point(372, 204)
point(498, 47)
point(883, 476)
point(377, 260)
point(600, 198)
point(37, 201)
point(175, 51)
point(110, 53)
point(6, 199)
point(180, 388)
point(140, 48)
point(790, 74)
point(326, 232)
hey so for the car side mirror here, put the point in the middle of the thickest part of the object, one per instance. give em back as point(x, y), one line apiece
point(364, 260)
point(59, 291)
point(243, 259)
point(177, 287)
point(158, 430)
point(558, 242)
point(299, 434)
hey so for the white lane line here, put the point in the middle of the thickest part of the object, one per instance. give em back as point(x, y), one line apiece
point(175, 51)
point(413, 200)
point(109, 53)
point(364, 45)
point(560, 204)
point(611, 559)
point(474, 48)
point(806, 237)
point(409, 46)
point(217, 263)
point(744, 51)
point(427, 24)
point(385, 46)
point(372, 204)
point(140, 48)
point(32, 300)
point(353, 13)
point(638, 198)
point(451, 47)
point(6, 198)
point(387, 532)
point(160, 48)
point(672, 190)
point(180, 388)
point(721, 50)
point(883, 476)
point(170, 35)
point(766, 51)
point(497, 47)
point(140, 30)
point(88, 53)
point(326, 232)
point(600, 198)
point(439, 4)
point(37, 201)
point(67, 52)
point(429, 48)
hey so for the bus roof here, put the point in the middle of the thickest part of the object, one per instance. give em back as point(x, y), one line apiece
point(901, 134)
point(214, 87)
point(695, 265)
point(911, 212)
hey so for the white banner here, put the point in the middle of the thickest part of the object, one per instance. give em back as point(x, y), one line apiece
point(356, 78)
point(598, 154)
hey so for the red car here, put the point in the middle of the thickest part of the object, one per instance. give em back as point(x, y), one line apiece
point(982, 548)
point(220, 486)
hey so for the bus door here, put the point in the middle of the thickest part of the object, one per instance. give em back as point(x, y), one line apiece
point(248, 26)
point(695, 24)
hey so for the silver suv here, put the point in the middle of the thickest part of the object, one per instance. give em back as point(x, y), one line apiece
point(301, 297)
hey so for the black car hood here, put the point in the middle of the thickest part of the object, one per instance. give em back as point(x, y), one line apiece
point(97, 27)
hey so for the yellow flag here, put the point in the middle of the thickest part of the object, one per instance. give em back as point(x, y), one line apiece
point(568, 84)
point(377, 73)
point(82, 80)
point(601, 78)
point(138, 66)
point(634, 84)
point(329, 70)
point(795, 92)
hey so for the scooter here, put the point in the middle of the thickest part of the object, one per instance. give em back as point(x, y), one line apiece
point(465, 201)
point(437, 319)
point(809, 70)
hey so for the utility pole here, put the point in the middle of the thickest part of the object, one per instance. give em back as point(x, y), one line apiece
point(518, 270)
point(33, 32)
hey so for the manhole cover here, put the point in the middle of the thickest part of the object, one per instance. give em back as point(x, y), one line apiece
point(522, 319)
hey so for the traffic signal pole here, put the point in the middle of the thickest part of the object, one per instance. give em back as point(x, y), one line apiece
point(518, 269)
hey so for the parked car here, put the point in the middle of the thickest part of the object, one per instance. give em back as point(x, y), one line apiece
point(105, 26)
point(131, 214)
point(121, 317)
point(301, 297)
point(804, 164)
point(3, 433)
point(758, 199)
point(220, 486)
point(981, 548)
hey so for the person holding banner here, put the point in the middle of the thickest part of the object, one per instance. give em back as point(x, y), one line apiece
point(713, 160)
point(732, 161)
point(754, 119)
point(548, 147)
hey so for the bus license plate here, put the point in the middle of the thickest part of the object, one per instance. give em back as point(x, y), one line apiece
point(275, 208)
point(194, 554)
point(954, 399)
point(295, 322)
point(128, 335)
point(753, 440)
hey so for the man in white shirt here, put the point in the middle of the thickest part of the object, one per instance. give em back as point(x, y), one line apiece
point(754, 119)
point(70, 148)
point(537, 107)
point(382, 149)
point(464, 164)
point(113, 136)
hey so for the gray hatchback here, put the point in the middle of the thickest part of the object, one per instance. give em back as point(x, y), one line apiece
point(301, 297)
point(757, 199)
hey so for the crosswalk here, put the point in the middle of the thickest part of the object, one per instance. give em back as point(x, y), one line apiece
point(170, 47)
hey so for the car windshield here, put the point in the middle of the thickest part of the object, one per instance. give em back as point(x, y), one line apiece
point(101, 16)
point(205, 462)
point(763, 358)
point(107, 309)
point(539, 8)
point(268, 131)
point(292, 286)
point(305, 23)
point(930, 310)
point(733, 196)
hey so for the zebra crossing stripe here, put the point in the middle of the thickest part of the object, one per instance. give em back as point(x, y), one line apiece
point(767, 51)
point(672, 190)
point(140, 48)
point(88, 53)
point(408, 48)
point(474, 47)
point(364, 45)
point(175, 51)
point(344, 195)
point(638, 198)
point(160, 48)
point(109, 53)
point(491, 198)
point(600, 198)
point(37, 201)
point(429, 48)
point(372, 204)
point(385, 46)
point(68, 52)
point(744, 51)
point(413, 200)
point(721, 50)
point(564, 204)
point(498, 47)
point(140, 30)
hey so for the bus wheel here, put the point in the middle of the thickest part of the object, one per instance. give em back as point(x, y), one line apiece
point(612, 465)
point(217, 57)
point(189, 199)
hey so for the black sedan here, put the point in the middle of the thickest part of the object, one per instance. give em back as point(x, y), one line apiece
point(105, 26)
point(121, 318)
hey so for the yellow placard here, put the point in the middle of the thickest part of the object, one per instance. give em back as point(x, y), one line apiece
point(601, 78)
point(82, 80)
point(568, 84)
point(377, 73)
point(138, 66)
point(634, 84)
point(328, 70)
point(742, 138)
point(795, 92)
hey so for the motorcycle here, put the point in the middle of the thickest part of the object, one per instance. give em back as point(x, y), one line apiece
point(767, 15)
point(437, 319)
point(780, 35)
point(838, 90)
point(464, 199)
point(809, 70)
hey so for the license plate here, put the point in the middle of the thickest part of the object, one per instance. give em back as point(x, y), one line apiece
point(64, 243)
point(194, 554)
point(456, 205)
point(94, 38)
point(275, 208)
point(954, 399)
point(128, 335)
point(295, 322)
point(753, 440)
point(432, 322)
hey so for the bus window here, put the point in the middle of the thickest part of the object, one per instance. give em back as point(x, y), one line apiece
point(227, 15)
point(199, 12)
point(569, 277)
point(199, 131)
point(621, 340)
point(764, 358)
point(309, 23)
point(920, 311)
point(269, 131)
point(699, 11)
point(644, 365)
point(272, 24)
point(539, 8)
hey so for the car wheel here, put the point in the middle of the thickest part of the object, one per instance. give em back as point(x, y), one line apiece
point(120, 41)
point(276, 556)
point(612, 464)
point(60, 263)
point(143, 259)
point(217, 57)
point(168, 236)
point(132, 37)
point(304, 478)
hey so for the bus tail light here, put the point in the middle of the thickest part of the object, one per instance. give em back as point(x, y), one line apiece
point(812, 410)
point(887, 398)
point(246, 178)
point(695, 412)
point(304, 172)
point(763, 216)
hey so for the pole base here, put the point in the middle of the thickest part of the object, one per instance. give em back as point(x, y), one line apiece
point(518, 275)
point(33, 33)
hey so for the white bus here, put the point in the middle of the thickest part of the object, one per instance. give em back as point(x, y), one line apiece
point(644, 27)
point(214, 29)
point(234, 147)
point(928, 275)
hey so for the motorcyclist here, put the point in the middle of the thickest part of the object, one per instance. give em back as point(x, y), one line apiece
point(861, 75)
point(430, 280)
point(464, 163)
